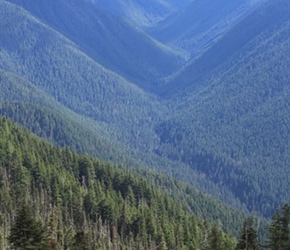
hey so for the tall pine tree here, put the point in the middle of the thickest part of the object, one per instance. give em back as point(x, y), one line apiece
point(27, 233)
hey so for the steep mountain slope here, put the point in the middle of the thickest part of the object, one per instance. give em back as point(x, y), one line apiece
point(202, 23)
point(59, 77)
point(80, 200)
point(55, 65)
point(40, 67)
point(235, 126)
point(142, 13)
point(108, 39)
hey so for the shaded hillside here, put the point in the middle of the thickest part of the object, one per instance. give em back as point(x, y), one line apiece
point(108, 39)
point(81, 201)
point(56, 66)
point(27, 105)
point(235, 127)
point(202, 24)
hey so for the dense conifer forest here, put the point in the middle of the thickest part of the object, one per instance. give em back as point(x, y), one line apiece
point(52, 198)
point(77, 202)
point(144, 124)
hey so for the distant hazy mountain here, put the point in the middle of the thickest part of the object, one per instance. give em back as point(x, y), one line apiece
point(108, 39)
point(232, 42)
point(202, 23)
point(142, 13)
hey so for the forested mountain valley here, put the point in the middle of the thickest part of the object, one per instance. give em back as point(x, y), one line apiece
point(144, 124)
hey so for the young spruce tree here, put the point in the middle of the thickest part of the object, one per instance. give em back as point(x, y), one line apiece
point(279, 230)
point(248, 238)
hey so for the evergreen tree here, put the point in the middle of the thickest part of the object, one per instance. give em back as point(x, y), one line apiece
point(248, 238)
point(81, 241)
point(27, 233)
point(216, 239)
point(279, 235)
point(162, 245)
